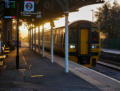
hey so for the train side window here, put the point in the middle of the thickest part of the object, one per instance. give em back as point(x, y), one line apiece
point(73, 36)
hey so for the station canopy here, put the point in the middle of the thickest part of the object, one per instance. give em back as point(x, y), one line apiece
point(51, 9)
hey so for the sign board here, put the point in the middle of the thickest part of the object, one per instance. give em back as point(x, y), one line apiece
point(9, 17)
point(32, 14)
point(39, 15)
point(10, 3)
point(10, 9)
point(29, 6)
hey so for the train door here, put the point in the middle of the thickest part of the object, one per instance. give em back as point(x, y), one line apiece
point(83, 58)
point(84, 42)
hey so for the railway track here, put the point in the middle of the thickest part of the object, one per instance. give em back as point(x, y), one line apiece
point(109, 65)
point(110, 70)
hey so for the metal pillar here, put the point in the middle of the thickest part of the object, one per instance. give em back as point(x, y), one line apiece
point(43, 47)
point(39, 39)
point(66, 44)
point(35, 39)
point(92, 15)
point(17, 31)
point(17, 56)
point(52, 45)
point(29, 38)
point(32, 38)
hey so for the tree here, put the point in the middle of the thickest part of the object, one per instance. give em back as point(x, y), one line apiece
point(109, 19)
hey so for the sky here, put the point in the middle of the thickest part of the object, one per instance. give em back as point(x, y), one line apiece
point(84, 13)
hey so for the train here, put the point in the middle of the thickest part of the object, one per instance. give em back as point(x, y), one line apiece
point(84, 42)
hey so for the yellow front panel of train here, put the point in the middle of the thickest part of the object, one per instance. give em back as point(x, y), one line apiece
point(84, 42)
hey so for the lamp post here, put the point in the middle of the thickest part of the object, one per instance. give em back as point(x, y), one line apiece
point(92, 15)
point(17, 31)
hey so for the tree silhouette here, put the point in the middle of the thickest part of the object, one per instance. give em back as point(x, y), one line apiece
point(109, 19)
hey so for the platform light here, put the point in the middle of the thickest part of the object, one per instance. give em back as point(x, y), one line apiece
point(13, 21)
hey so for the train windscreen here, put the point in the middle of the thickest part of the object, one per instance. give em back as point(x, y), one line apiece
point(94, 37)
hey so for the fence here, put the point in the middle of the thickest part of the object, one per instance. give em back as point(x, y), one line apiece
point(111, 43)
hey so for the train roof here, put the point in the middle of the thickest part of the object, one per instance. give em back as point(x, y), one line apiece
point(83, 24)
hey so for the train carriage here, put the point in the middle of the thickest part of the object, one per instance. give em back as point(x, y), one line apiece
point(84, 42)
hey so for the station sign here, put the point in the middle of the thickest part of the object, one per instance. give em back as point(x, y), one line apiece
point(31, 14)
point(10, 3)
point(9, 17)
point(10, 9)
point(29, 6)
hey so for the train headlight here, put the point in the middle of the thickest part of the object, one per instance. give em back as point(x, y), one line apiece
point(72, 46)
point(93, 46)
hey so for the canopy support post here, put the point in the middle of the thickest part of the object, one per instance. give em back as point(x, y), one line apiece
point(35, 39)
point(32, 38)
point(52, 44)
point(43, 46)
point(66, 44)
point(39, 39)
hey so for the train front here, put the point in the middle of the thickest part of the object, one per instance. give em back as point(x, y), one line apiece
point(84, 43)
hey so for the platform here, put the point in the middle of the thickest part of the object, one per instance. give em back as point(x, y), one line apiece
point(39, 74)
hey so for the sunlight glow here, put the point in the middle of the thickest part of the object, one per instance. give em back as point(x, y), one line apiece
point(60, 22)
point(14, 27)
point(23, 30)
point(47, 26)
point(40, 28)
point(37, 29)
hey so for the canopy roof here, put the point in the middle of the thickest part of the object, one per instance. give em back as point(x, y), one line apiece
point(55, 8)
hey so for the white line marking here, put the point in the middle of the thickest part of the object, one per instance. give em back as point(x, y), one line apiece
point(24, 58)
point(110, 65)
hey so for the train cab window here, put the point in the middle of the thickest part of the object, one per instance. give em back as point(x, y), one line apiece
point(94, 37)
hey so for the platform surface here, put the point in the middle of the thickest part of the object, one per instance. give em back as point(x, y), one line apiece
point(39, 74)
